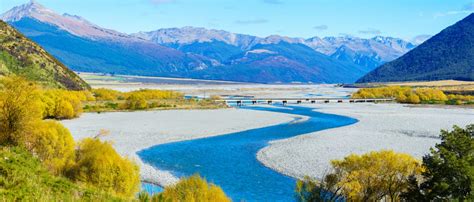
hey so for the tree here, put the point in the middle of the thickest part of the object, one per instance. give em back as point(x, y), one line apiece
point(311, 190)
point(449, 168)
point(20, 108)
point(99, 165)
point(373, 176)
point(136, 101)
point(193, 188)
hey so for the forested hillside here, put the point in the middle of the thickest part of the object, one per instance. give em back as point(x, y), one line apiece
point(447, 55)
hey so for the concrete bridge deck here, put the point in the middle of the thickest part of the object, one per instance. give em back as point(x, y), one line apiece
point(284, 101)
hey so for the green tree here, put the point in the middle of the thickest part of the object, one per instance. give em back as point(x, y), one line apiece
point(449, 169)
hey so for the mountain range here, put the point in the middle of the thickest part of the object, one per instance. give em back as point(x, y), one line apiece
point(202, 53)
point(447, 55)
point(20, 56)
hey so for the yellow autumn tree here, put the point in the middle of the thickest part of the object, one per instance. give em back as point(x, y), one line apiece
point(20, 108)
point(193, 188)
point(104, 94)
point(53, 144)
point(375, 176)
point(63, 104)
point(136, 101)
point(99, 165)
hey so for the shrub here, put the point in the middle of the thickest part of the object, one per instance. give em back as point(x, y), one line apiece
point(99, 165)
point(136, 102)
point(103, 94)
point(20, 108)
point(53, 144)
point(193, 188)
point(62, 104)
point(403, 94)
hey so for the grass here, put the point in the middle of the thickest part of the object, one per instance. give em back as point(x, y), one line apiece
point(23, 178)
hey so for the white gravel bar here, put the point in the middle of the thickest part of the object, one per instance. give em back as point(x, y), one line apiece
point(131, 132)
point(401, 128)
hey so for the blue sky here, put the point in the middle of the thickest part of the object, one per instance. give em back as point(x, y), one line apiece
point(296, 18)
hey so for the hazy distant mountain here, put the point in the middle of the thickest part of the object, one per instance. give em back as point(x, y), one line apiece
point(374, 52)
point(20, 56)
point(447, 55)
point(201, 53)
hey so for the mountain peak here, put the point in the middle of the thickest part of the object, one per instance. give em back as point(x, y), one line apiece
point(73, 24)
point(29, 9)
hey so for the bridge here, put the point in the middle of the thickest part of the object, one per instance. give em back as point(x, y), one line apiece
point(284, 101)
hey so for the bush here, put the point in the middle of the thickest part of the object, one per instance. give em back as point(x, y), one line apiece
point(62, 104)
point(99, 165)
point(136, 102)
point(53, 144)
point(20, 108)
point(193, 188)
point(407, 95)
point(103, 94)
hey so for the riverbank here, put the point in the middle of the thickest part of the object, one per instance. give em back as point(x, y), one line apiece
point(131, 132)
point(402, 128)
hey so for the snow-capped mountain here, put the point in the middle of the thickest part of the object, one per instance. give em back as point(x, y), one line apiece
point(378, 49)
point(71, 23)
point(189, 35)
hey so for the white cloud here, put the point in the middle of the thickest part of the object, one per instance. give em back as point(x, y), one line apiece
point(320, 27)
point(466, 9)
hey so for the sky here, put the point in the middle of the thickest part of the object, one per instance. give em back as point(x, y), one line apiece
point(295, 18)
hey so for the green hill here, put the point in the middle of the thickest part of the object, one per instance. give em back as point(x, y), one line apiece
point(448, 55)
point(21, 56)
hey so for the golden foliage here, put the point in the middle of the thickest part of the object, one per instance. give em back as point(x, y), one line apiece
point(190, 189)
point(409, 95)
point(136, 101)
point(53, 144)
point(99, 165)
point(20, 107)
point(63, 104)
point(376, 175)
point(104, 94)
